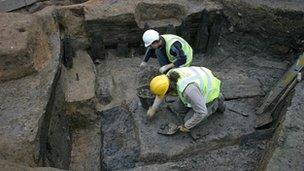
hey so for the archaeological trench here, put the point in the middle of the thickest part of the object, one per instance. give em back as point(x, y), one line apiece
point(69, 70)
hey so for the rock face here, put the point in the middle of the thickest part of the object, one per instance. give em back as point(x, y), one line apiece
point(26, 103)
point(24, 45)
point(287, 152)
point(23, 105)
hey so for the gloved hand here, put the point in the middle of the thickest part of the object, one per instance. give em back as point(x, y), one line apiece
point(151, 112)
point(182, 128)
point(164, 68)
point(143, 64)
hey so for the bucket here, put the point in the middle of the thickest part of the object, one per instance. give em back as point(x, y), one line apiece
point(145, 96)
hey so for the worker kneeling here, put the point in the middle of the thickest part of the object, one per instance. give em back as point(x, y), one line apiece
point(170, 50)
point(197, 88)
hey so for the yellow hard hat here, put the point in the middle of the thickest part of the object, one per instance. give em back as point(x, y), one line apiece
point(159, 85)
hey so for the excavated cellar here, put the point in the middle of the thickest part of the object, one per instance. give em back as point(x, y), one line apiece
point(77, 109)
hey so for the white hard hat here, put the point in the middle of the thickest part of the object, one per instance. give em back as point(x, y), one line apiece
point(150, 36)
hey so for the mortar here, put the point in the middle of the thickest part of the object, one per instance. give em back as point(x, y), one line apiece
point(145, 96)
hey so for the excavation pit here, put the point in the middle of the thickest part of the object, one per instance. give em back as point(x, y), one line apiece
point(248, 45)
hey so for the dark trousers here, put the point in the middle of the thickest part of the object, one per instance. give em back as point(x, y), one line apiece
point(162, 57)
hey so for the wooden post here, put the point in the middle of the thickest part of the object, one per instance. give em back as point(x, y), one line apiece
point(202, 34)
point(97, 47)
point(68, 52)
point(184, 32)
point(215, 32)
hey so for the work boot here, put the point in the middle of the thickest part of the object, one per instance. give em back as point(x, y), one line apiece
point(221, 104)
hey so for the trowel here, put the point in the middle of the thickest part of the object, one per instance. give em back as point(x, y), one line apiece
point(168, 129)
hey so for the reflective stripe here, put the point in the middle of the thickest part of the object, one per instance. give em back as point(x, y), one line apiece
point(201, 86)
point(209, 84)
point(186, 78)
point(170, 39)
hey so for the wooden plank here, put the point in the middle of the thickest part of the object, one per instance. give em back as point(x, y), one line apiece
point(10, 5)
point(279, 93)
point(287, 78)
point(267, 118)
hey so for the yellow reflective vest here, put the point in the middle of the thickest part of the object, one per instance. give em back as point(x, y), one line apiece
point(202, 77)
point(170, 39)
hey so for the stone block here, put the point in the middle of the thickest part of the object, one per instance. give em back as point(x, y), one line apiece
point(24, 45)
point(79, 87)
point(120, 144)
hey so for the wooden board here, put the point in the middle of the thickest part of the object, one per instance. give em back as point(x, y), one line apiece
point(287, 78)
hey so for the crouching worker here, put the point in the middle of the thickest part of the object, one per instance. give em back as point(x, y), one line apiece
point(198, 91)
point(170, 50)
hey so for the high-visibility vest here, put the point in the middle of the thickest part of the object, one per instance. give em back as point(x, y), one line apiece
point(170, 39)
point(202, 77)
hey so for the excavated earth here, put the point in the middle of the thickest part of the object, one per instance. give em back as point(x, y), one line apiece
point(69, 73)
